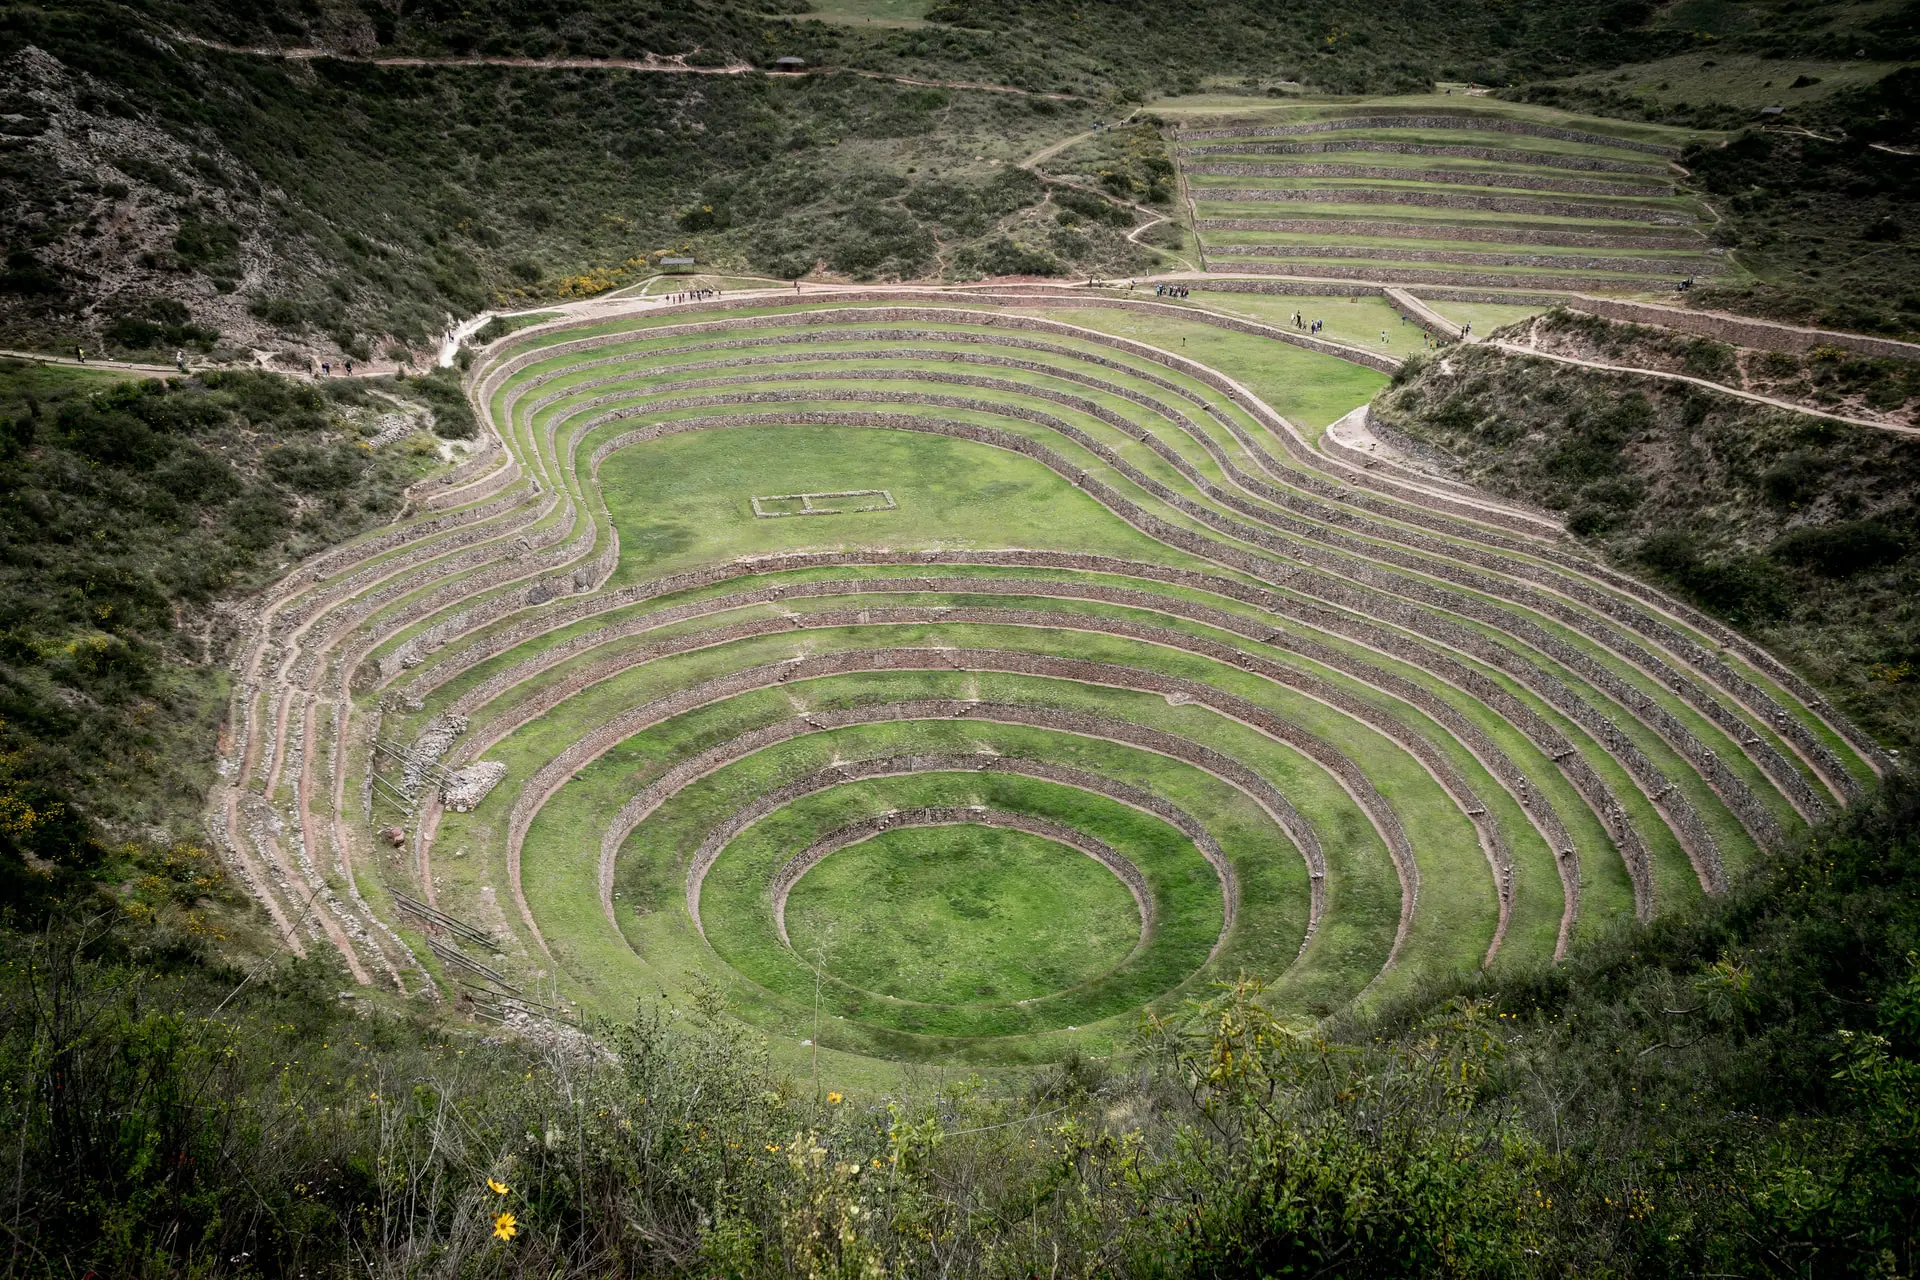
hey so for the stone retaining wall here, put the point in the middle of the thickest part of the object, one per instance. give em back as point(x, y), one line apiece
point(1504, 155)
point(419, 552)
point(1393, 643)
point(396, 583)
point(1442, 549)
point(477, 490)
point(1406, 276)
point(1443, 566)
point(693, 768)
point(1389, 599)
point(1300, 449)
point(1443, 177)
point(1477, 124)
point(1551, 236)
point(1461, 729)
point(551, 776)
point(1443, 200)
point(328, 563)
point(494, 574)
point(1485, 295)
point(1434, 761)
point(1297, 445)
point(1562, 261)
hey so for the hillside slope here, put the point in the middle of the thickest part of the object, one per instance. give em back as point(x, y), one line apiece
point(333, 207)
point(1797, 529)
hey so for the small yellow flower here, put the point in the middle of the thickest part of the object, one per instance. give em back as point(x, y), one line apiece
point(497, 1187)
point(774, 1148)
point(834, 1098)
point(505, 1227)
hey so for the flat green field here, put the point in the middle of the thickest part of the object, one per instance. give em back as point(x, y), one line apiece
point(959, 915)
point(687, 500)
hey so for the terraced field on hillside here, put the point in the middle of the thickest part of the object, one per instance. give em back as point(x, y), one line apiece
point(942, 680)
point(1443, 194)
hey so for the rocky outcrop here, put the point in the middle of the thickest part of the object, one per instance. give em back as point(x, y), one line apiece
point(466, 787)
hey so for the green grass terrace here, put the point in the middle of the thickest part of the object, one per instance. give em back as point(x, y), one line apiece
point(1081, 677)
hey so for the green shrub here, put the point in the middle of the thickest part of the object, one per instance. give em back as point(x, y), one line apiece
point(1742, 588)
point(442, 391)
point(1841, 550)
point(205, 244)
point(1092, 208)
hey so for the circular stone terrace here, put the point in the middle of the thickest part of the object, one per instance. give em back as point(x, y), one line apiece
point(946, 677)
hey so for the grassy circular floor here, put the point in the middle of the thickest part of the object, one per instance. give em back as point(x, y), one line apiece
point(955, 915)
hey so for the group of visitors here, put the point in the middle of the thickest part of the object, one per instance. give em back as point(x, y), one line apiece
point(701, 295)
point(1299, 321)
point(1171, 291)
point(326, 368)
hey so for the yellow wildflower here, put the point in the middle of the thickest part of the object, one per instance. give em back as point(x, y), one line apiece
point(834, 1098)
point(505, 1227)
point(497, 1187)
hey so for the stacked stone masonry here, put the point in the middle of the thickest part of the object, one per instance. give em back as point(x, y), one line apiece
point(1477, 124)
point(1444, 177)
point(1657, 214)
point(1501, 155)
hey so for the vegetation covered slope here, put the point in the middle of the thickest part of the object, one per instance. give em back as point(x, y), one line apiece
point(129, 510)
point(1732, 1092)
point(1798, 529)
point(344, 208)
point(347, 207)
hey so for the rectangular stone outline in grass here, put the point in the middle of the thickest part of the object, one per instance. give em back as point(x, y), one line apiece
point(807, 508)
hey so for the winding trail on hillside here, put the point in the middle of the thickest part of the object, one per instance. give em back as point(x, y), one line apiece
point(1518, 349)
point(651, 63)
